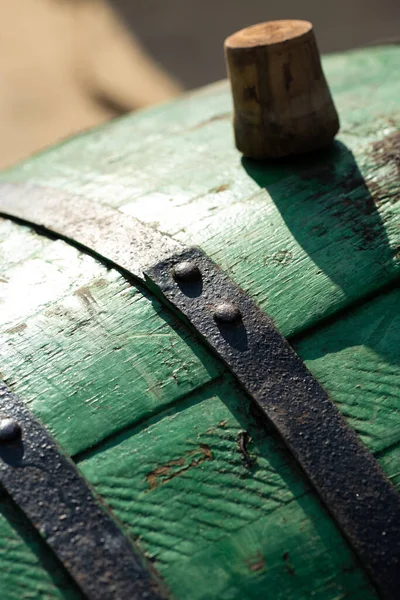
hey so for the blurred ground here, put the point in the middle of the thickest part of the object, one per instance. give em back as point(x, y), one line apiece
point(66, 65)
point(186, 36)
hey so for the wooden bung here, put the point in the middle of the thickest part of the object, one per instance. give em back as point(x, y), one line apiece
point(282, 103)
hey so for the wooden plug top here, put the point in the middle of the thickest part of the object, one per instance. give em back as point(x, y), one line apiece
point(268, 34)
point(282, 103)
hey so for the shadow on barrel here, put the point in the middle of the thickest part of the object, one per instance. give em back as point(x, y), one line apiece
point(328, 209)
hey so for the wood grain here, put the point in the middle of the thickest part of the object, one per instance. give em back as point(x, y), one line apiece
point(151, 417)
point(88, 352)
point(357, 361)
point(28, 567)
point(178, 479)
point(304, 238)
point(68, 362)
point(282, 103)
point(213, 526)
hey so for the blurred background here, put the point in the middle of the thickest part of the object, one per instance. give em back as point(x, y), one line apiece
point(66, 65)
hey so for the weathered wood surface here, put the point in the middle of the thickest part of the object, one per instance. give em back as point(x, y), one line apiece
point(357, 360)
point(76, 342)
point(293, 234)
point(199, 509)
point(29, 570)
point(179, 481)
point(96, 359)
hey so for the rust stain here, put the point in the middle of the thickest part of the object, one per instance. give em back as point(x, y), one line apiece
point(17, 328)
point(211, 430)
point(256, 563)
point(99, 282)
point(220, 117)
point(86, 297)
point(381, 193)
point(152, 477)
point(222, 188)
point(242, 440)
point(166, 472)
point(302, 419)
point(387, 150)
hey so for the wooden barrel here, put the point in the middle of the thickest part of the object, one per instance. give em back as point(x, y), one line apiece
point(150, 415)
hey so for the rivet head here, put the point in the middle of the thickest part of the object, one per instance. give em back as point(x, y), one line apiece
point(227, 313)
point(10, 430)
point(186, 272)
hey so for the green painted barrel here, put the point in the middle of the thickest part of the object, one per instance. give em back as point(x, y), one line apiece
point(150, 416)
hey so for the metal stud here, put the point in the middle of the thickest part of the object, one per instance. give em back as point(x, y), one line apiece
point(227, 313)
point(186, 272)
point(10, 430)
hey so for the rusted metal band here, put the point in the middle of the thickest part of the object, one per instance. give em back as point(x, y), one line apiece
point(348, 479)
point(102, 231)
point(58, 501)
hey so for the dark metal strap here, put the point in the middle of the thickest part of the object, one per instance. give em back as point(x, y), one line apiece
point(345, 474)
point(119, 238)
point(61, 506)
